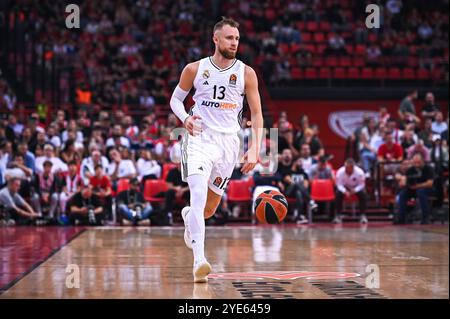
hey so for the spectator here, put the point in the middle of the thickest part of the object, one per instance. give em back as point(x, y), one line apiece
point(53, 137)
point(383, 115)
point(70, 185)
point(373, 55)
point(418, 148)
point(17, 168)
point(408, 139)
point(119, 168)
point(430, 108)
point(439, 126)
point(46, 191)
point(307, 159)
point(440, 159)
point(88, 165)
point(294, 184)
point(389, 151)
point(366, 152)
point(101, 187)
point(57, 164)
point(407, 110)
point(117, 138)
point(426, 135)
point(336, 44)
point(15, 127)
point(73, 126)
point(15, 205)
point(86, 208)
point(147, 168)
point(417, 182)
point(322, 169)
point(350, 181)
point(132, 205)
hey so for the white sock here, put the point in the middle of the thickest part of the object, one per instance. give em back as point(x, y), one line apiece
point(198, 186)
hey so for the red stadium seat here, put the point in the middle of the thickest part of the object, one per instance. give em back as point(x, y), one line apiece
point(353, 73)
point(284, 47)
point(349, 48)
point(358, 62)
point(380, 73)
point(306, 37)
point(324, 26)
point(239, 191)
point(319, 37)
point(295, 48)
point(312, 26)
point(317, 62)
point(345, 61)
point(331, 61)
point(311, 73)
point(321, 48)
point(367, 73)
point(408, 74)
point(123, 184)
point(325, 73)
point(167, 167)
point(423, 74)
point(296, 73)
point(310, 48)
point(360, 49)
point(152, 188)
point(339, 73)
point(394, 73)
point(322, 190)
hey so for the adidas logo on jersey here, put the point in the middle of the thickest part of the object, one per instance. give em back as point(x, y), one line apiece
point(205, 83)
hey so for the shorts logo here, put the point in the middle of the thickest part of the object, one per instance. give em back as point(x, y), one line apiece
point(205, 74)
point(217, 181)
point(233, 79)
point(221, 183)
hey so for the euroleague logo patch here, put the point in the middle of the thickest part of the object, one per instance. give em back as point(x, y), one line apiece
point(233, 79)
point(284, 275)
point(217, 181)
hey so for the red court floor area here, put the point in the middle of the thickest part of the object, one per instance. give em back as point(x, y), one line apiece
point(22, 249)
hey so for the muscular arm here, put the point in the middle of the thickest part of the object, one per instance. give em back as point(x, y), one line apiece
point(254, 102)
point(182, 90)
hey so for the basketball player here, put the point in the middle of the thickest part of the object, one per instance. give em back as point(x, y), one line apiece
point(210, 147)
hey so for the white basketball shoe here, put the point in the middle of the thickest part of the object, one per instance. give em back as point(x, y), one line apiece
point(187, 231)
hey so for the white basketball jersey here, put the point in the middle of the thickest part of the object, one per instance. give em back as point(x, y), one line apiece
point(219, 95)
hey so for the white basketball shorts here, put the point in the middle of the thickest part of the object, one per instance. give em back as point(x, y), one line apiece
point(212, 154)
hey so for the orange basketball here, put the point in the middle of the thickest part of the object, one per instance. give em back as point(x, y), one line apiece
point(271, 207)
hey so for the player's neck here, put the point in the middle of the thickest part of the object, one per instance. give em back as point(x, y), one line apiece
point(220, 61)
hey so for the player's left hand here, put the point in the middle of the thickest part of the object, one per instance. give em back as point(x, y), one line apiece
point(250, 160)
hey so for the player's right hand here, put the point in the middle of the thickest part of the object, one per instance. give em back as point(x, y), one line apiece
point(189, 124)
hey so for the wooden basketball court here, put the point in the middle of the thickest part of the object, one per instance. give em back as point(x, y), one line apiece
point(319, 261)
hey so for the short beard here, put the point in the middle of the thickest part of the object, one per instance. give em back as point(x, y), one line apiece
point(227, 54)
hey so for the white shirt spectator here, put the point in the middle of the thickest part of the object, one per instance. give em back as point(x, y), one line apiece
point(65, 137)
point(355, 182)
point(376, 141)
point(149, 167)
point(307, 163)
point(126, 167)
point(125, 142)
point(147, 101)
point(439, 127)
point(87, 165)
point(56, 141)
point(58, 164)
